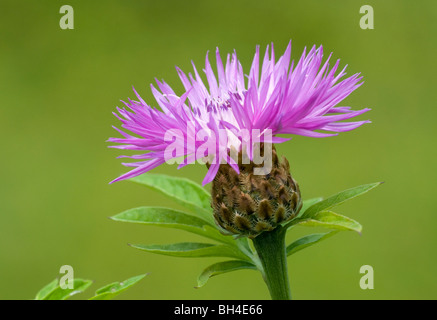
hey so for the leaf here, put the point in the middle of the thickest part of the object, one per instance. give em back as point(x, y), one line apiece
point(308, 203)
point(338, 198)
point(193, 250)
point(110, 291)
point(329, 219)
point(183, 191)
point(307, 241)
point(57, 293)
point(46, 290)
point(170, 218)
point(222, 267)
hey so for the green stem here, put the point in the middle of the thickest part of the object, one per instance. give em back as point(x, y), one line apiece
point(270, 247)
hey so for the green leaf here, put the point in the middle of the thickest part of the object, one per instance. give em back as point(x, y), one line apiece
point(338, 198)
point(329, 219)
point(193, 250)
point(307, 241)
point(305, 205)
point(185, 192)
point(109, 291)
point(57, 293)
point(46, 290)
point(222, 267)
point(170, 218)
point(308, 203)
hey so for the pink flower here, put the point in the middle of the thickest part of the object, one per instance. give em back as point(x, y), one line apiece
point(282, 99)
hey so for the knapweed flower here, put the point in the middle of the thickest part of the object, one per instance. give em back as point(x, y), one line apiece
point(232, 114)
point(297, 99)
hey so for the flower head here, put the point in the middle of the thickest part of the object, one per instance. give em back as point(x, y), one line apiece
point(279, 97)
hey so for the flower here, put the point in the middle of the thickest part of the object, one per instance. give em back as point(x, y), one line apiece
point(283, 99)
point(248, 204)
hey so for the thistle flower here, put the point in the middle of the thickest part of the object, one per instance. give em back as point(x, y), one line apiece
point(233, 123)
point(225, 122)
point(297, 99)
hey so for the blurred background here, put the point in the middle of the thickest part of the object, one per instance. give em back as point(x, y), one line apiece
point(58, 89)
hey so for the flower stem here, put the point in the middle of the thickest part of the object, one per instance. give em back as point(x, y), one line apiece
point(270, 246)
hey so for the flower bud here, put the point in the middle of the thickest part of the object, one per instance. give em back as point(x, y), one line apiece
point(247, 204)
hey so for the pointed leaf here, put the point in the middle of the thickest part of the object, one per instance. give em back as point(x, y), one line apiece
point(329, 219)
point(46, 290)
point(222, 267)
point(184, 191)
point(308, 203)
point(307, 241)
point(338, 198)
point(165, 217)
point(79, 285)
point(192, 250)
point(110, 291)
point(170, 218)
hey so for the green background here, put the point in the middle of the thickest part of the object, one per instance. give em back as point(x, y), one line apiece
point(58, 89)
